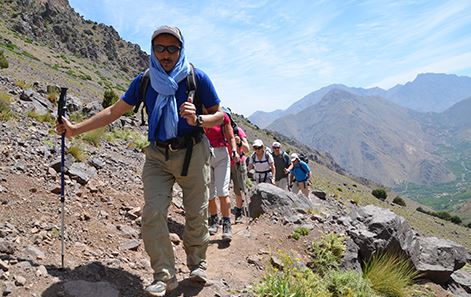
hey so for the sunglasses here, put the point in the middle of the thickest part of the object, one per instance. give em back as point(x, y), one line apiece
point(276, 148)
point(171, 49)
point(257, 147)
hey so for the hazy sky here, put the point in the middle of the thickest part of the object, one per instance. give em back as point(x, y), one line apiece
point(265, 55)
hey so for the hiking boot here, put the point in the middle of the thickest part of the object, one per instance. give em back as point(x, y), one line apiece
point(238, 215)
point(226, 229)
point(198, 275)
point(160, 288)
point(213, 225)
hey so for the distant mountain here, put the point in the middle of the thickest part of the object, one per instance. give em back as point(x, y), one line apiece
point(431, 92)
point(428, 92)
point(264, 119)
point(369, 136)
point(458, 116)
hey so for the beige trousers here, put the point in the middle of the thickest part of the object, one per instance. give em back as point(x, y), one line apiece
point(158, 177)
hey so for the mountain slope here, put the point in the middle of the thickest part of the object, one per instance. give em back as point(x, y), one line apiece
point(431, 92)
point(264, 119)
point(369, 137)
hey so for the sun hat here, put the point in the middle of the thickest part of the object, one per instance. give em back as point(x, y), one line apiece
point(294, 157)
point(168, 30)
point(257, 142)
point(276, 144)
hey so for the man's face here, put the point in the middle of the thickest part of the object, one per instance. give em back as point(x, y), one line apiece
point(276, 150)
point(166, 49)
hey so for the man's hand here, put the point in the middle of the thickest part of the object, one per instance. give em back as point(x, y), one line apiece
point(188, 112)
point(66, 127)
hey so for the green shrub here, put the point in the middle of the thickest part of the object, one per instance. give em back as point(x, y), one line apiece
point(77, 152)
point(5, 109)
point(43, 118)
point(443, 215)
point(300, 231)
point(326, 253)
point(347, 283)
point(109, 98)
point(469, 225)
point(399, 201)
point(293, 280)
point(380, 194)
point(456, 219)
point(3, 61)
point(95, 136)
point(390, 274)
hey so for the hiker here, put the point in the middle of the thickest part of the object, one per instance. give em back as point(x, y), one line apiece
point(301, 174)
point(178, 152)
point(282, 162)
point(262, 160)
point(239, 173)
point(220, 137)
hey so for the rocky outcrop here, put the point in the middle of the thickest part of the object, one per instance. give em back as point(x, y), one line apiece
point(375, 229)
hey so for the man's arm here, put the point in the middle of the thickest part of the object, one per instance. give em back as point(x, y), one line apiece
point(102, 118)
point(212, 117)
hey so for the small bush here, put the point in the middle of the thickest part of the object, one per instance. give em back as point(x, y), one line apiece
point(469, 225)
point(380, 194)
point(3, 61)
point(43, 118)
point(109, 98)
point(5, 109)
point(21, 84)
point(456, 219)
point(443, 215)
point(399, 201)
point(347, 283)
point(94, 137)
point(326, 253)
point(77, 152)
point(390, 274)
point(300, 231)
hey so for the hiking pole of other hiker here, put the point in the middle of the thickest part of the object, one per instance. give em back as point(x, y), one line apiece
point(61, 108)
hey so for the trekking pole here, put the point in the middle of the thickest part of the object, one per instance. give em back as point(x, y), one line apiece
point(61, 108)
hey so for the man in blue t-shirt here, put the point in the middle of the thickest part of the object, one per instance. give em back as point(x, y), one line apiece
point(178, 152)
point(302, 175)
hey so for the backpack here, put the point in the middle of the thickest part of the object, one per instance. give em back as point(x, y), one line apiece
point(303, 158)
point(191, 87)
point(267, 151)
point(228, 111)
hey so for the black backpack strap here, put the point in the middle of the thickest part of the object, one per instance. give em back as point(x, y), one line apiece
point(144, 84)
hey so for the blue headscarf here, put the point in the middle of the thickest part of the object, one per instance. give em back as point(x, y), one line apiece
point(166, 84)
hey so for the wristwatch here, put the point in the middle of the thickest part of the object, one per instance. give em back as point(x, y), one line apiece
point(199, 120)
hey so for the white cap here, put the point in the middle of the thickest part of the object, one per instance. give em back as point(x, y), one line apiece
point(276, 144)
point(257, 142)
point(294, 156)
point(168, 30)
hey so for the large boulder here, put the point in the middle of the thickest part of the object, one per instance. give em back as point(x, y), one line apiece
point(267, 198)
point(375, 229)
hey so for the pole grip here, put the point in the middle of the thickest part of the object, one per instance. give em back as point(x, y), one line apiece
point(62, 107)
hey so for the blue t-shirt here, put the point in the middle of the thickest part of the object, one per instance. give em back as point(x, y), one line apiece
point(205, 92)
point(301, 174)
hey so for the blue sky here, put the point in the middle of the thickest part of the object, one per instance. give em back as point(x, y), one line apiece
point(266, 55)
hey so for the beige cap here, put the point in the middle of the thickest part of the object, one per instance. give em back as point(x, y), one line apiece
point(294, 157)
point(257, 142)
point(276, 144)
point(168, 30)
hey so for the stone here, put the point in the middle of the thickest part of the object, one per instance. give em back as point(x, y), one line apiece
point(132, 245)
point(81, 172)
point(81, 288)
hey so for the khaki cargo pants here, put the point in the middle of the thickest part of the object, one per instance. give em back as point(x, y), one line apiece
point(158, 177)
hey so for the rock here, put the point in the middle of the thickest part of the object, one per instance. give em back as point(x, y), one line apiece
point(3, 265)
point(266, 198)
point(276, 262)
point(460, 283)
point(42, 271)
point(175, 238)
point(34, 252)
point(132, 245)
point(8, 288)
point(437, 258)
point(6, 247)
point(81, 288)
point(319, 194)
point(81, 172)
point(127, 231)
point(20, 281)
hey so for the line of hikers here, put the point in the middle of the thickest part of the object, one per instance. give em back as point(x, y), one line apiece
point(192, 142)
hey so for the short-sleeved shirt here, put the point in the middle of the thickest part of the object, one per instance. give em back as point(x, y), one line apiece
point(216, 135)
point(205, 91)
point(301, 171)
point(282, 161)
